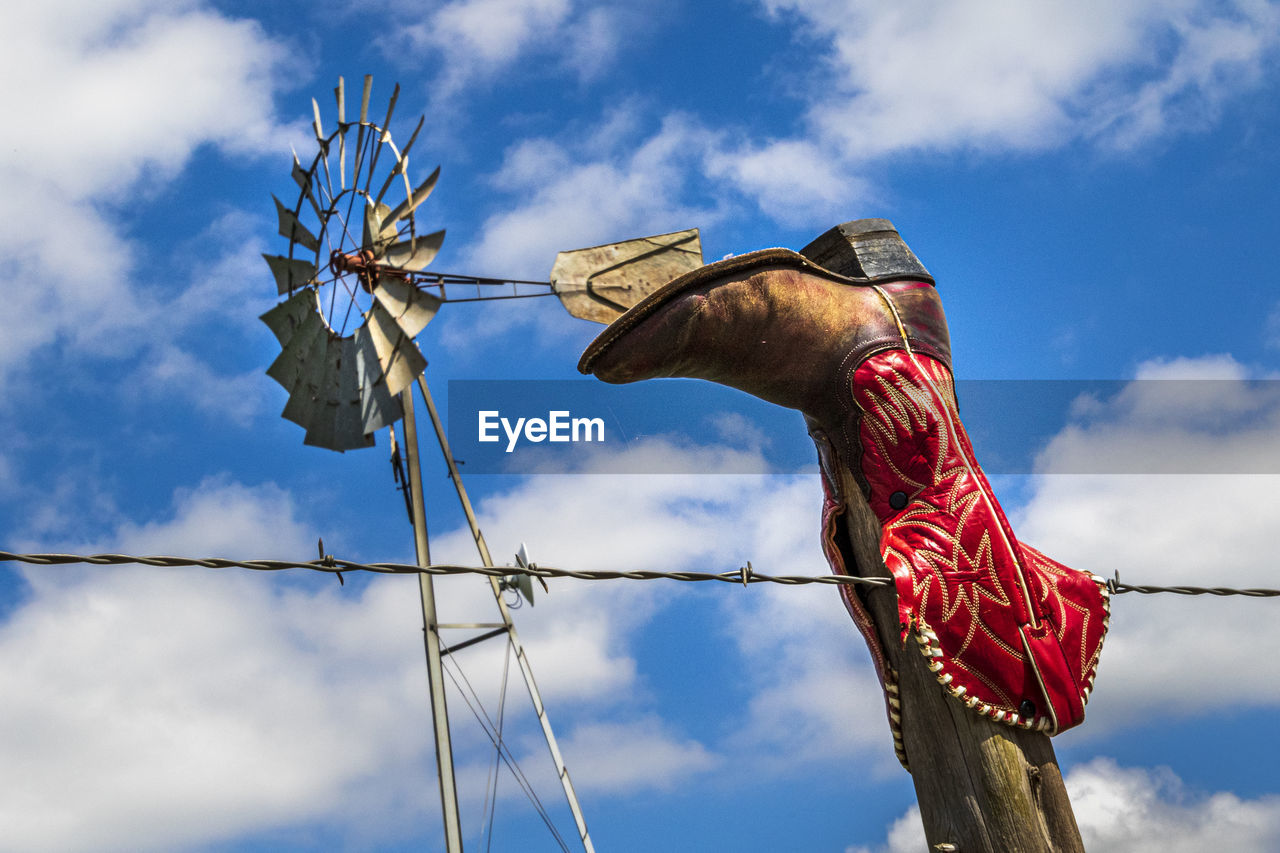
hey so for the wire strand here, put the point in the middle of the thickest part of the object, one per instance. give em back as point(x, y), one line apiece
point(504, 752)
point(333, 565)
point(745, 575)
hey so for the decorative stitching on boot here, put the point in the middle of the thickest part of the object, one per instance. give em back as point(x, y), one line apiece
point(960, 574)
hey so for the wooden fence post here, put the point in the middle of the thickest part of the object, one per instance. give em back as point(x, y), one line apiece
point(983, 787)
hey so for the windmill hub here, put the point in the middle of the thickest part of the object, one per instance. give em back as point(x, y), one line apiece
point(362, 264)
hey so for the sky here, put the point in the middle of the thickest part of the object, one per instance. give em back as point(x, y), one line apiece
point(1091, 183)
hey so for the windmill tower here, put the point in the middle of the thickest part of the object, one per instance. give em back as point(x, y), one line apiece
point(355, 292)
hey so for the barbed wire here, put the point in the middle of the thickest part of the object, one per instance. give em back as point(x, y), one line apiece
point(333, 565)
point(744, 575)
point(1143, 589)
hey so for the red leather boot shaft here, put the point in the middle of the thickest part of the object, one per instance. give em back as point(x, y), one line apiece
point(1011, 633)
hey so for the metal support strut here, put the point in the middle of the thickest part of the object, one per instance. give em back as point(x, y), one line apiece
point(516, 645)
point(431, 631)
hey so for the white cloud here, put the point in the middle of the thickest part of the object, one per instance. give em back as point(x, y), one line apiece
point(604, 188)
point(1137, 810)
point(598, 37)
point(221, 517)
point(584, 630)
point(174, 373)
point(1220, 366)
point(978, 75)
point(804, 662)
point(156, 708)
point(478, 40)
point(495, 30)
point(906, 835)
point(800, 666)
point(228, 288)
point(617, 182)
point(794, 181)
point(1170, 654)
point(101, 127)
point(629, 757)
point(981, 75)
point(1181, 416)
point(989, 74)
point(101, 112)
point(573, 199)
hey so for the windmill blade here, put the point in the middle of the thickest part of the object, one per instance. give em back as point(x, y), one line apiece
point(410, 308)
point(416, 253)
point(348, 425)
point(323, 403)
point(399, 167)
point(360, 134)
point(383, 136)
point(402, 161)
point(340, 94)
point(416, 198)
point(378, 408)
point(398, 355)
point(303, 179)
point(602, 282)
point(290, 273)
point(374, 216)
point(335, 424)
point(285, 319)
point(293, 229)
point(289, 366)
point(315, 111)
point(304, 406)
point(323, 154)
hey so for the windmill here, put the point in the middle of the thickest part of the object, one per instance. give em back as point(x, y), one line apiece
point(356, 292)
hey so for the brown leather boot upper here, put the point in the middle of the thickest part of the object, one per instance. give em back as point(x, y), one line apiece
point(775, 325)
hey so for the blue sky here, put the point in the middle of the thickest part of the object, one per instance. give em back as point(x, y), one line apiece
point(1092, 184)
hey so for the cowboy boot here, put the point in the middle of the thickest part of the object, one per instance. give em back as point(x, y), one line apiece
point(866, 358)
